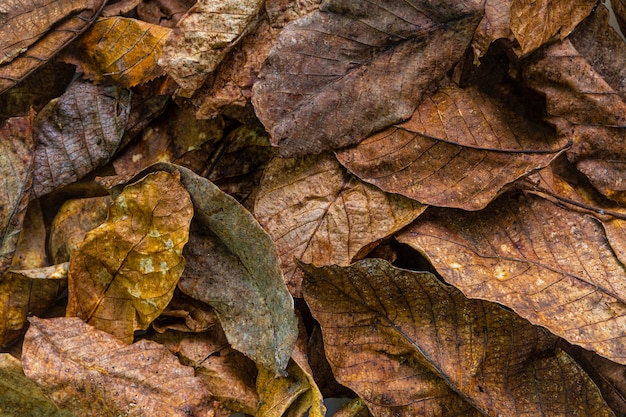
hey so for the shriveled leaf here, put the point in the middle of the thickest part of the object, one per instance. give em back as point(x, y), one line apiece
point(341, 73)
point(19, 396)
point(91, 373)
point(186, 314)
point(78, 132)
point(203, 37)
point(459, 149)
point(126, 50)
point(33, 32)
point(125, 271)
point(551, 265)
point(495, 24)
point(232, 265)
point(409, 345)
point(535, 23)
point(16, 165)
point(318, 213)
point(583, 81)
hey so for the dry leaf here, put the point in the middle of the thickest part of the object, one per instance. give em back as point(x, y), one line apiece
point(203, 37)
point(186, 314)
point(551, 265)
point(459, 149)
point(77, 132)
point(399, 338)
point(318, 213)
point(281, 12)
point(31, 246)
point(355, 408)
point(619, 7)
point(91, 373)
point(163, 12)
point(339, 74)
point(19, 396)
point(495, 24)
point(33, 32)
point(125, 271)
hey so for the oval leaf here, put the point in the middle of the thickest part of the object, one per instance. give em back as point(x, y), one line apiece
point(397, 337)
point(125, 271)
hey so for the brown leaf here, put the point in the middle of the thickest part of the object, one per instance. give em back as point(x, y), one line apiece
point(583, 81)
point(355, 408)
point(339, 74)
point(203, 37)
point(397, 337)
point(19, 396)
point(459, 149)
point(33, 32)
point(551, 265)
point(31, 246)
point(281, 12)
point(163, 12)
point(91, 373)
point(16, 165)
point(126, 50)
point(125, 271)
point(186, 314)
point(318, 213)
point(619, 7)
point(78, 132)
point(495, 24)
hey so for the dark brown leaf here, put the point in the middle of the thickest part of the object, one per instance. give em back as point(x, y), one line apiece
point(339, 74)
point(619, 7)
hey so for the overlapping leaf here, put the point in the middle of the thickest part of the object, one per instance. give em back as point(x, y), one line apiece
point(318, 213)
point(459, 149)
point(33, 32)
point(91, 373)
point(409, 345)
point(339, 74)
point(126, 270)
point(553, 266)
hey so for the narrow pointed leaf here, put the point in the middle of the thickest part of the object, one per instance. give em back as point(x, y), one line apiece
point(399, 338)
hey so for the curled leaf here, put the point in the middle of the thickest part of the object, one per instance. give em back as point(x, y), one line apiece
point(125, 271)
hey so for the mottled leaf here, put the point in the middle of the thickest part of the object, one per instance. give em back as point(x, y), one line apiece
point(409, 345)
point(203, 37)
point(33, 32)
point(318, 213)
point(19, 396)
point(355, 408)
point(16, 165)
point(551, 265)
point(459, 149)
point(91, 373)
point(583, 81)
point(77, 132)
point(126, 50)
point(31, 246)
point(125, 271)
point(341, 73)
point(281, 12)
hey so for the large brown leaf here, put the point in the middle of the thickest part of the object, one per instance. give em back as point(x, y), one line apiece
point(32, 32)
point(551, 265)
point(78, 132)
point(459, 149)
point(91, 373)
point(341, 73)
point(583, 81)
point(125, 271)
point(318, 213)
point(409, 345)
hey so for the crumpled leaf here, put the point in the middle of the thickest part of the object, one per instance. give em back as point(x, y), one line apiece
point(126, 50)
point(78, 132)
point(91, 373)
point(583, 81)
point(125, 271)
point(186, 314)
point(495, 24)
point(341, 73)
point(203, 37)
point(33, 32)
point(551, 265)
point(19, 396)
point(318, 213)
point(232, 265)
point(16, 165)
point(410, 345)
point(459, 149)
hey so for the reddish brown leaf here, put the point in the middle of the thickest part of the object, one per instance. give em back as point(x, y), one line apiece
point(78, 132)
point(33, 32)
point(409, 345)
point(163, 12)
point(339, 74)
point(318, 213)
point(91, 373)
point(459, 149)
point(495, 24)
